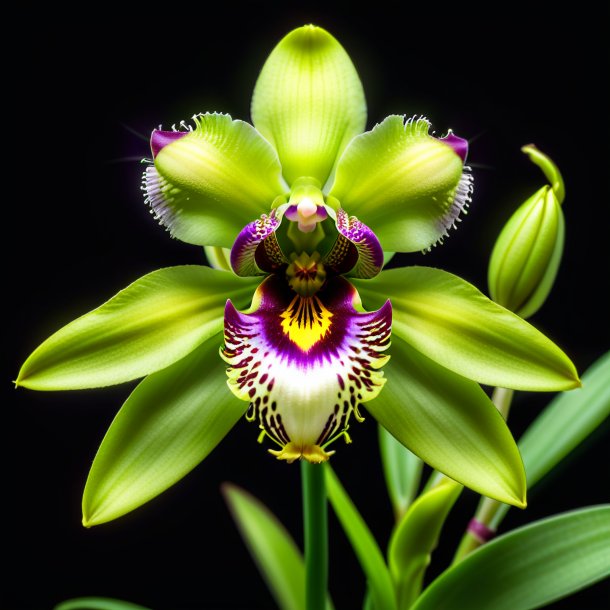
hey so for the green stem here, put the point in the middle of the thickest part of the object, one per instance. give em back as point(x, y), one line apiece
point(315, 527)
point(487, 509)
point(502, 398)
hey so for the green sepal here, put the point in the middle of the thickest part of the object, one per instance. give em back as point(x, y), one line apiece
point(308, 102)
point(278, 558)
point(528, 567)
point(416, 536)
point(169, 424)
point(450, 321)
point(365, 547)
point(149, 325)
point(450, 423)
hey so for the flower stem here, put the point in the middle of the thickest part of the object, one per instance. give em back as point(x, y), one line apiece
point(483, 526)
point(315, 527)
point(502, 398)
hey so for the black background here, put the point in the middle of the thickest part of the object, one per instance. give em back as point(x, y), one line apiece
point(85, 81)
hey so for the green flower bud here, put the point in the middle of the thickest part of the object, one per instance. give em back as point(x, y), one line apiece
point(527, 253)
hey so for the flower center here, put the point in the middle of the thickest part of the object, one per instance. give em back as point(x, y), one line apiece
point(305, 274)
point(306, 204)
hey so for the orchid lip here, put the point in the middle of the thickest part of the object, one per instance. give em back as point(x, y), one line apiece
point(459, 145)
point(159, 139)
point(305, 363)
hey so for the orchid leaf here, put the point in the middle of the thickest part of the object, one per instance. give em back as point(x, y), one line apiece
point(528, 567)
point(277, 556)
point(565, 423)
point(450, 423)
point(402, 470)
point(169, 424)
point(308, 102)
point(149, 325)
point(97, 603)
point(450, 321)
point(416, 536)
point(365, 547)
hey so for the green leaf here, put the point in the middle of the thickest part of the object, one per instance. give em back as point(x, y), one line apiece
point(168, 425)
point(402, 182)
point(565, 423)
point(308, 102)
point(367, 551)
point(416, 536)
point(206, 186)
point(450, 423)
point(97, 603)
point(402, 470)
point(450, 321)
point(529, 567)
point(149, 325)
point(277, 556)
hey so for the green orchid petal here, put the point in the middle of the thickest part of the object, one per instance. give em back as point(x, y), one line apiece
point(529, 567)
point(152, 323)
point(207, 185)
point(169, 424)
point(308, 102)
point(450, 321)
point(450, 423)
point(408, 186)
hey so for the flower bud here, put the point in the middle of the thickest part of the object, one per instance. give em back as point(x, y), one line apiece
point(527, 253)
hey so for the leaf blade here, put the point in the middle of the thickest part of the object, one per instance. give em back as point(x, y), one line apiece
point(529, 567)
point(365, 547)
point(97, 603)
point(402, 470)
point(416, 536)
point(563, 425)
point(275, 553)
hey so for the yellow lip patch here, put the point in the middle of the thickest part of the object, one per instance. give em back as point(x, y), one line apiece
point(306, 321)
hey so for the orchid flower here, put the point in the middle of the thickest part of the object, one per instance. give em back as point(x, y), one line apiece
point(297, 213)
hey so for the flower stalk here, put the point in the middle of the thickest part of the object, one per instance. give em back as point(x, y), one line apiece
point(482, 527)
point(315, 529)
